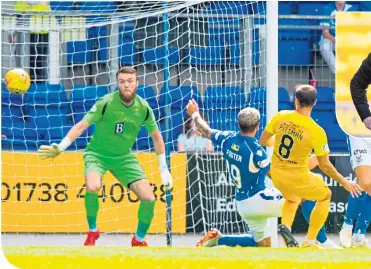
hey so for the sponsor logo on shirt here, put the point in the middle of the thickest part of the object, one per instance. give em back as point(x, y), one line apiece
point(235, 147)
point(358, 153)
point(325, 148)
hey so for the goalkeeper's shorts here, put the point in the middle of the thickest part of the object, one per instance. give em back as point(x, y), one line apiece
point(126, 169)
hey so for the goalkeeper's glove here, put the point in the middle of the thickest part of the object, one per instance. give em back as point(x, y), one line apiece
point(54, 150)
point(166, 177)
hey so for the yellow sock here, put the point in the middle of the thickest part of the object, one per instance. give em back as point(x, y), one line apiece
point(318, 218)
point(288, 212)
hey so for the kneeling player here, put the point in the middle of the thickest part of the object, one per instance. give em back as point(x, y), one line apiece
point(360, 158)
point(248, 165)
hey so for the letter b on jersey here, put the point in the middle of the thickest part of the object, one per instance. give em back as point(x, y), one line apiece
point(119, 128)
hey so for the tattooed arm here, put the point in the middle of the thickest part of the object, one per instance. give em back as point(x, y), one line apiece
point(202, 126)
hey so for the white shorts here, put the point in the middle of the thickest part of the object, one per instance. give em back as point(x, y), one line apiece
point(360, 151)
point(256, 210)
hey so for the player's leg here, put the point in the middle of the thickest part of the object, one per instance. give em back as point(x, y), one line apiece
point(351, 213)
point(94, 171)
point(307, 208)
point(289, 207)
point(360, 159)
point(363, 174)
point(314, 188)
point(130, 173)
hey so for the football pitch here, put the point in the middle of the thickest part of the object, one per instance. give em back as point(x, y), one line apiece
point(184, 258)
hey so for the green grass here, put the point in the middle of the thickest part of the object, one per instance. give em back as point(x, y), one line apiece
point(184, 258)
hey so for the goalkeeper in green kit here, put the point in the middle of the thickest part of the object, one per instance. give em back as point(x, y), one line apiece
point(118, 116)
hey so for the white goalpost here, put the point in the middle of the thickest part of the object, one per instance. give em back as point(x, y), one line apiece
point(222, 53)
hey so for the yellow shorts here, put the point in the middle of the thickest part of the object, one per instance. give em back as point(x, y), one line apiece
point(310, 187)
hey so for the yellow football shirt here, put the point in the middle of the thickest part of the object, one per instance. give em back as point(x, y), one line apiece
point(296, 136)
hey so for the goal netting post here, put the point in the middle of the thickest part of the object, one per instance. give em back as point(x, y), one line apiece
point(213, 52)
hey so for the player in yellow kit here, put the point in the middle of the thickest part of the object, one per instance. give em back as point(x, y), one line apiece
point(296, 135)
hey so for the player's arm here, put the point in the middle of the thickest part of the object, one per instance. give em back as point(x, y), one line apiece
point(312, 162)
point(322, 151)
point(158, 142)
point(267, 137)
point(358, 89)
point(201, 124)
point(94, 114)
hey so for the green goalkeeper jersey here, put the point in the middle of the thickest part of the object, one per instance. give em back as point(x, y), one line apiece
point(117, 125)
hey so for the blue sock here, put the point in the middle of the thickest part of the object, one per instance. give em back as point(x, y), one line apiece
point(307, 208)
point(353, 209)
point(364, 217)
point(243, 240)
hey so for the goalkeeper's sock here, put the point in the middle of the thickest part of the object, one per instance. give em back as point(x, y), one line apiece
point(364, 217)
point(307, 208)
point(353, 210)
point(244, 240)
point(288, 213)
point(145, 215)
point(91, 207)
point(317, 218)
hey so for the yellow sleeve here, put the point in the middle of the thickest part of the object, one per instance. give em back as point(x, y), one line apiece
point(319, 143)
point(272, 123)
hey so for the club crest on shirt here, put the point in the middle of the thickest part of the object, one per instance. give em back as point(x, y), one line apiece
point(235, 147)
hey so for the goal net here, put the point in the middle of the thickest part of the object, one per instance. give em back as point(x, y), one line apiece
point(213, 52)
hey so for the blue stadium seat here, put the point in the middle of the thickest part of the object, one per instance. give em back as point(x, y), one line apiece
point(336, 138)
point(323, 117)
point(295, 33)
point(44, 88)
point(325, 99)
point(294, 52)
point(61, 5)
point(311, 7)
point(23, 136)
point(284, 102)
point(223, 105)
point(178, 98)
point(98, 6)
point(229, 7)
point(127, 51)
point(205, 55)
point(80, 52)
point(11, 107)
point(148, 93)
point(157, 55)
point(84, 97)
point(257, 98)
point(284, 7)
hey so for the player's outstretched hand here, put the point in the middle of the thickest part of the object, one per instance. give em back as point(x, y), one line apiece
point(354, 189)
point(367, 122)
point(46, 152)
point(192, 107)
point(166, 178)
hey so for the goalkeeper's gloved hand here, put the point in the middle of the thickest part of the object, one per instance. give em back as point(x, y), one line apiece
point(166, 178)
point(49, 151)
point(367, 122)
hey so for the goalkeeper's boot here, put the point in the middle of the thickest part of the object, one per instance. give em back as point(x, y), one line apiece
point(361, 244)
point(346, 237)
point(315, 245)
point(210, 239)
point(329, 244)
point(90, 239)
point(136, 243)
point(287, 237)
